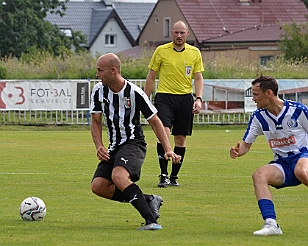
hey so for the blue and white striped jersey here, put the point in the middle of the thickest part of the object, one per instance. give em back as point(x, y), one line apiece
point(287, 133)
point(122, 111)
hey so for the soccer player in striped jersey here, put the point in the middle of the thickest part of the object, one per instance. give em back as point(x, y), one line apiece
point(121, 102)
point(284, 124)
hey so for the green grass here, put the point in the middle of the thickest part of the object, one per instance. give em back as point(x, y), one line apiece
point(215, 204)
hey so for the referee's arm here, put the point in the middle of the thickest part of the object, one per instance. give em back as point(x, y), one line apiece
point(149, 82)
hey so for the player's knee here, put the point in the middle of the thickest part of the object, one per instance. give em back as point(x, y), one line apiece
point(98, 187)
point(94, 187)
point(180, 140)
point(257, 176)
point(120, 175)
point(302, 175)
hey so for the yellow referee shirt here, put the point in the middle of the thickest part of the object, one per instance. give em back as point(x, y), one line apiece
point(175, 68)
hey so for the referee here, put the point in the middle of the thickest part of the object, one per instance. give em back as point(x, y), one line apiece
point(177, 63)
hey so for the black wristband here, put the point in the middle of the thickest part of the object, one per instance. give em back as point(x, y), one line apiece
point(199, 98)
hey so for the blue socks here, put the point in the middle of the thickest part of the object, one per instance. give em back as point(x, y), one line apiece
point(267, 209)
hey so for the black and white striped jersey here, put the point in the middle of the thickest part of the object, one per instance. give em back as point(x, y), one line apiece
point(122, 111)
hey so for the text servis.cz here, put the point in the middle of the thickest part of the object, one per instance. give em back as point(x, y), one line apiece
point(42, 100)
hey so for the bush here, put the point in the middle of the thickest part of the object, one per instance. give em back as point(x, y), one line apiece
point(43, 65)
point(3, 72)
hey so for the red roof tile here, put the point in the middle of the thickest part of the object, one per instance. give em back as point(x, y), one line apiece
point(210, 19)
point(255, 34)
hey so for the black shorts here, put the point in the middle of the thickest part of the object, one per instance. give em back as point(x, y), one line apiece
point(129, 155)
point(175, 111)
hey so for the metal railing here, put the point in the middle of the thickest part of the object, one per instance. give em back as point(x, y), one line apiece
point(221, 118)
point(47, 117)
point(82, 117)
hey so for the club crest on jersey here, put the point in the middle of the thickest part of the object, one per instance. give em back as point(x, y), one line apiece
point(292, 123)
point(127, 103)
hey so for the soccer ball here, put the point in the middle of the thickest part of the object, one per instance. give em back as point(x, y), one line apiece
point(32, 208)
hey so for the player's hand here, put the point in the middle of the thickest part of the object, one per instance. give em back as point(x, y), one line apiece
point(172, 156)
point(102, 154)
point(234, 151)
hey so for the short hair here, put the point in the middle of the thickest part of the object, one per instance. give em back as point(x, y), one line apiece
point(267, 83)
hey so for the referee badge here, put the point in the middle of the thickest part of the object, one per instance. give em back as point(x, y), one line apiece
point(188, 70)
point(127, 103)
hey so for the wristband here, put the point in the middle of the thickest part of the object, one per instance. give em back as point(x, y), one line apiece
point(199, 98)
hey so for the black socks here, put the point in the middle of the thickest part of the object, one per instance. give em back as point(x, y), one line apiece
point(134, 195)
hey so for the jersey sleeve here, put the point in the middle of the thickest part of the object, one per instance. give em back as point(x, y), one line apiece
point(96, 99)
point(146, 107)
point(199, 63)
point(253, 130)
point(155, 62)
point(304, 117)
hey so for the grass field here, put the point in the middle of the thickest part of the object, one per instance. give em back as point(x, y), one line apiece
point(215, 204)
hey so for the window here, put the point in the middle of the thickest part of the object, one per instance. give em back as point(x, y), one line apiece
point(166, 27)
point(67, 32)
point(110, 40)
point(66, 29)
point(265, 59)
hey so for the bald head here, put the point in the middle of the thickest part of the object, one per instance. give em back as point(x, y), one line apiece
point(109, 60)
point(108, 70)
point(180, 25)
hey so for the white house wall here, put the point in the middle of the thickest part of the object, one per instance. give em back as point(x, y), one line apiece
point(111, 28)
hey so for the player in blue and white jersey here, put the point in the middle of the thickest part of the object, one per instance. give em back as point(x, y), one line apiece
point(284, 123)
point(120, 163)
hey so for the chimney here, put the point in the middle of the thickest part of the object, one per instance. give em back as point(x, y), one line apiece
point(244, 2)
point(108, 2)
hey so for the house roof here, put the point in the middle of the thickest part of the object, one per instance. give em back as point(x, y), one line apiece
point(91, 17)
point(137, 51)
point(78, 16)
point(210, 19)
point(268, 33)
point(99, 19)
point(134, 15)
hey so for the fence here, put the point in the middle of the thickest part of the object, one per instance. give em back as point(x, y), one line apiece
point(82, 117)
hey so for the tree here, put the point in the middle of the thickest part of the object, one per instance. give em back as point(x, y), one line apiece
point(22, 26)
point(294, 42)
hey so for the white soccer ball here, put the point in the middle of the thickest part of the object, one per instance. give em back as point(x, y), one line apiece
point(32, 208)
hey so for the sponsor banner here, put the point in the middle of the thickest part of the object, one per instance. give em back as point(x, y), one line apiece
point(44, 95)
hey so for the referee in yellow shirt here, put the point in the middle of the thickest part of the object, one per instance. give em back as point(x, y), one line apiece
point(177, 63)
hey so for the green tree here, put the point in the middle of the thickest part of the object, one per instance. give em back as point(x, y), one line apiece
point(306, 2)
point(294, 42)
point(22, 26)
